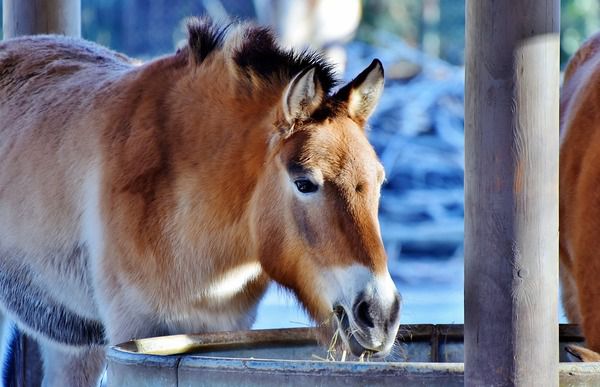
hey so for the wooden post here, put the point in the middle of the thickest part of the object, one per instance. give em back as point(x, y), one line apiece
point(511, 193)
point(28, 17)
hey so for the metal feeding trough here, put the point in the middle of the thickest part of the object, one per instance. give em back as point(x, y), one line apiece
point(426, 355)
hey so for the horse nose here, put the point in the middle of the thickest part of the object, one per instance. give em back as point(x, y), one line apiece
point(369, 312)
point(394, 311)
point(363, 312)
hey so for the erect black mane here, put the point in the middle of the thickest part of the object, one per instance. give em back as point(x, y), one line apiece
point(204, 37)
point(259, 53)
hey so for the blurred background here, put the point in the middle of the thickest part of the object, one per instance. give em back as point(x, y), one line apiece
point(417, 128)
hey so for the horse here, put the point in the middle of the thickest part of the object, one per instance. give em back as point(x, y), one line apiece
point(145, 199)
point(579, 204)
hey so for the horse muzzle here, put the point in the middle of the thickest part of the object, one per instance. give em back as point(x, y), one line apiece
point(366, 306)
point(369, 324)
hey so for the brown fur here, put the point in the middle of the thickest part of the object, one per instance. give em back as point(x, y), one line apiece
point(174, 174)
point(579, 198)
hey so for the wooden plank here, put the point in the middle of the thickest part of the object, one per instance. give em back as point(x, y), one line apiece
point(511, 193)
point(28, 17)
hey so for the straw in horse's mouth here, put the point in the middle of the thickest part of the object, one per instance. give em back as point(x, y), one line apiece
point(346, 332)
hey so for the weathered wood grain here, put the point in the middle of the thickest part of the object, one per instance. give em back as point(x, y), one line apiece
point(511, 193)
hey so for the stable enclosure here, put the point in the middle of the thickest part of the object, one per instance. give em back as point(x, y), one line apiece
point(511, 219)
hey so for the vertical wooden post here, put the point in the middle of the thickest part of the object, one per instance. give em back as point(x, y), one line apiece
point(29, 17)
point(511, 193)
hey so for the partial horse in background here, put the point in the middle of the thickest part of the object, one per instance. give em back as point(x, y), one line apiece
point(580, 196)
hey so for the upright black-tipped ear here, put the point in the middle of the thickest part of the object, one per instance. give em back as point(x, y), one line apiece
point(363, 92)
point(303, 96)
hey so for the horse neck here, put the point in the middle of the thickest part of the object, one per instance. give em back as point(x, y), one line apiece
point(223, 145)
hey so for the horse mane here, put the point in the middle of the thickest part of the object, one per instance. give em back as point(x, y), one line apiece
point(255, 52)
point(204, 37)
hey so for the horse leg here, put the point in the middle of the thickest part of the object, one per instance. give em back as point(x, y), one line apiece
point(580, 354)
point(76, 367)
point(10, 352)
point(124, 327)
point(570, 303)
point(568, 290)
point(126, 319)
point(586, 269)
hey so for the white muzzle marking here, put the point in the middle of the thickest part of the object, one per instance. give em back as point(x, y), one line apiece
point(374, 325)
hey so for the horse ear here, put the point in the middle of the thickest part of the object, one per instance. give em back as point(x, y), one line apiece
point(303, 96)
point(363, 92)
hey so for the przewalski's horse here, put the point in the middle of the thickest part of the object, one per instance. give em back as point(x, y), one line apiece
point(580, 195)
point(162, 198)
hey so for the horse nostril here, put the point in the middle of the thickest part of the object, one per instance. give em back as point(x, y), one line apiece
point(338, 310)
point(363, 315)
point(395, 309)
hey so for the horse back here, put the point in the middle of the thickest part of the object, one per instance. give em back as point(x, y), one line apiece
point(50, 70)
point(84, 162)
point(48, 87)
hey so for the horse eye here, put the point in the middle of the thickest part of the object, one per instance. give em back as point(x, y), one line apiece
point(306, 186)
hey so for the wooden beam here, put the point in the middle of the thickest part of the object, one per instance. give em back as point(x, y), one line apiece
point(511, 192)
point(29, 17)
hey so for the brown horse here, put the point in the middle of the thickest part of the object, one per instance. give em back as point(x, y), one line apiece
point(142, 200)
point(580, 195)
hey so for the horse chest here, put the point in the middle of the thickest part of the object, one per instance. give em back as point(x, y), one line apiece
point(227, 301)
point(232, 282)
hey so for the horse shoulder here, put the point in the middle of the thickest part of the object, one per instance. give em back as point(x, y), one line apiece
point(54, 93)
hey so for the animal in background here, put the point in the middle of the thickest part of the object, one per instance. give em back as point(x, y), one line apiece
point(162, 198)
point(579, 196)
